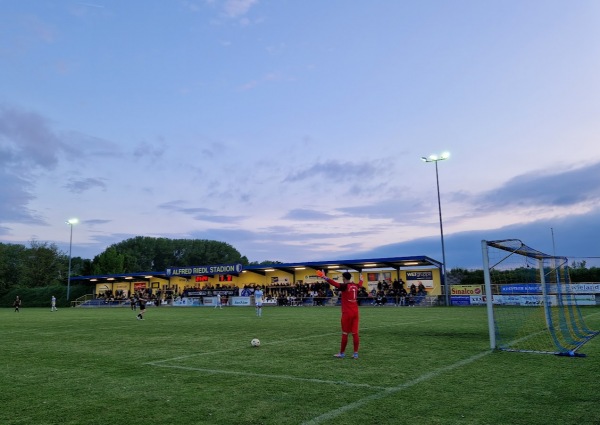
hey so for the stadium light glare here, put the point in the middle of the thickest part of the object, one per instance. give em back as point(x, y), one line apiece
point(70, 222)
point(436, 159)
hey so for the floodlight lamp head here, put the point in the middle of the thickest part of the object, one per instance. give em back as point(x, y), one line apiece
point(445, 155)
point(72, 221)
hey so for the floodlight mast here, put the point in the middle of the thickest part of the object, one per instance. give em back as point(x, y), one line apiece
point(437, 158)
point(70, 222)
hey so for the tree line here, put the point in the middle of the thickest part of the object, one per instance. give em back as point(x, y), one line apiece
point(42, 264)
point(578, 272)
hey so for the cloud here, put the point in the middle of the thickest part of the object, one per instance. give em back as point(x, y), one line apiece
point(28, 139)
point(40, 30)
point(82, 185)
point(214, 150)
point(237, 8)
point(400, 210)
point(79, 146)
point(95, 222)
point(271, 77)
point(28, 142)
point(336, 171)
point(15, 194)
point(152, 151)
point(192, 6)
point(200, 214)
point(258, 245)
point(558, 189)
point(302, 214)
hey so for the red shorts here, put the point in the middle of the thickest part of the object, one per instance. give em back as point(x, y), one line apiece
point(350, 323)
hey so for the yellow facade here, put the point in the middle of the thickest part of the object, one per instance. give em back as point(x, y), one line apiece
point(271, 278)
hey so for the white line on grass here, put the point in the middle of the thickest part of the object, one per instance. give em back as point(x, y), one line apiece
point(388, 391)
point(263, 375)
point(282, 341)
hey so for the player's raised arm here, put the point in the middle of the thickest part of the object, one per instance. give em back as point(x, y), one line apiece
point(321, 274)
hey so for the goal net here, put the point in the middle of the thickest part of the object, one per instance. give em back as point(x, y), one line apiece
point(533, 306)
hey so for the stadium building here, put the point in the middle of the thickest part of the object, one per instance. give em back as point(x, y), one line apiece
point(199, 283)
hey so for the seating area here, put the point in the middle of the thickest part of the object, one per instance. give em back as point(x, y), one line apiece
point(101, 302)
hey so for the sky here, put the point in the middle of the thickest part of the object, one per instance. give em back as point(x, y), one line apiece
point(294, 130)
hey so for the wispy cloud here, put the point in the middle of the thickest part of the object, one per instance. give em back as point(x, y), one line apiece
point(271, 77)
point(238, 8)
point(400, 210)
point(28, 138)
point(302, 214)
point(335, 171)
point(95, 222)
point(15, 195)
point(29, 141)
point(83, 185)
point(200, 214)
point(149, 150)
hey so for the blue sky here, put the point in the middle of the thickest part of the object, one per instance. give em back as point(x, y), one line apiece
point(293, 130)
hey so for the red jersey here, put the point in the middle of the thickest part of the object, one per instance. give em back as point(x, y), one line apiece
point(349, 293)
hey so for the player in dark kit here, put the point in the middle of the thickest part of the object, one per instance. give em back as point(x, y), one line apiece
point(142, 302)
point(17, 304)
point(350, 317)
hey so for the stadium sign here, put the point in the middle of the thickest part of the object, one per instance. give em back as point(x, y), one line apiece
point(521, 288)
point(466, 290)
point(416, 277)
point(205, 270)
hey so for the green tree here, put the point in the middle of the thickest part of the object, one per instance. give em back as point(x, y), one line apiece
point(109, 262)
point(43, 264)
point(143, 253)
point(11, 266)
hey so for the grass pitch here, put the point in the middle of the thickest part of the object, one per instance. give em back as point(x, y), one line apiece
point(196, 366)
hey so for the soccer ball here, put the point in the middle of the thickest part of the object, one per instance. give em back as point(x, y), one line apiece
point(255, 342)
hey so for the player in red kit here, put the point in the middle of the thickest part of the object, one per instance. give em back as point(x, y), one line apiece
point(349, 291)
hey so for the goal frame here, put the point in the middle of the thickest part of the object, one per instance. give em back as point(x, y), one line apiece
point(570, 326)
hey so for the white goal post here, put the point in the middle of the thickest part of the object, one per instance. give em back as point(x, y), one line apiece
point(530, 300)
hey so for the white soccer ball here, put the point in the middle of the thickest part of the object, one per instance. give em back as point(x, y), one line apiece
point(255, 342)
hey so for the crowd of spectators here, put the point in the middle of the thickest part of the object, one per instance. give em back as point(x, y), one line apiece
point(282, 294)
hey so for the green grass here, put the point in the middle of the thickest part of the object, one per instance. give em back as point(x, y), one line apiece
point(195, 366)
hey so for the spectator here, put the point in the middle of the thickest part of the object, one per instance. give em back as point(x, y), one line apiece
point(402, 296)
